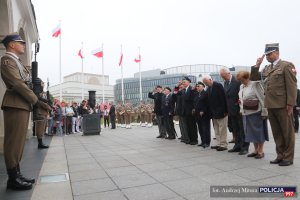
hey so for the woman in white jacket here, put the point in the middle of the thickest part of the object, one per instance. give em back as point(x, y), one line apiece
point(254, 113)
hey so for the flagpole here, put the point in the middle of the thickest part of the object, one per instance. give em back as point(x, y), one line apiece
point(122, 83)
point(141, 93)
point(102, 76)
point(82, 82)
point(60, 84)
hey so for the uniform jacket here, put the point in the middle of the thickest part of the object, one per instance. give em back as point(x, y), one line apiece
point(177, 98)
point(167, 105)
point(232, 96)
point(217, 101)
point(280, 84)
point(157, 102)
point(17, 94)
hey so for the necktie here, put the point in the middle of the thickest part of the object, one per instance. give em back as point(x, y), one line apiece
point(226, 85)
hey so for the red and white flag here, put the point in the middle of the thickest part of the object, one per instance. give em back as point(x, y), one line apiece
point(121, 59)
point(138, 59)
point(57, 31)
point(80, 54)
point(98, 52)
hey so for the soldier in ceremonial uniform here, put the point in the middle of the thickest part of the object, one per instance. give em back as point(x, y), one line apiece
point(127, 114)
point(143, 113)
point(149, 115)
point(120, 114)
point(40, 125)
point(280, 96)
point(17, 103)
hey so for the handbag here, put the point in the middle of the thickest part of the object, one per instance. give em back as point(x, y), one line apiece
point(250, 104)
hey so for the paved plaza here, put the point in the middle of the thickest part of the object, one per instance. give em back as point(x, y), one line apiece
point(132, 164)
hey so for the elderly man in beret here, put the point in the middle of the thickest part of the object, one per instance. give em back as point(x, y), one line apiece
point(280, 96)
point(17, 103)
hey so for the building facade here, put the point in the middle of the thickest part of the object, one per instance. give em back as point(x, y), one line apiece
point(17, 16)
point(75, 83)
point(132, 86)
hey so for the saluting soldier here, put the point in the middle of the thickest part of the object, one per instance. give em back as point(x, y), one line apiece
point(17, 103)
point(280, 96)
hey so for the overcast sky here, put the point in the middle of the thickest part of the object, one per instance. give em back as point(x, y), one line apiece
point(169, 32)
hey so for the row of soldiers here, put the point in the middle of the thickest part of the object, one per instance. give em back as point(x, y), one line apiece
point(127, 114)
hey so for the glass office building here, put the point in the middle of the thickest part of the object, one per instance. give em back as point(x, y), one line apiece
point(132, 86)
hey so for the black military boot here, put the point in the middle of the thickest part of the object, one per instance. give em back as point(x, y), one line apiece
point(14, 181)
point(42, 145)
point(23, 178)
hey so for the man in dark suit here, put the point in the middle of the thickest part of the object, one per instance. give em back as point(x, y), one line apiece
point(17, 103)
point(189, 120)
point(112, 115)
point(157, 96)
point(168, 112)
point(218, 110)
point(202, 114)
point(178, 98)
point(232, 88)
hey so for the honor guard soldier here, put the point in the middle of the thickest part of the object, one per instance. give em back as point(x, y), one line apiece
point(17, 104)
point(120, 114)
point(280, 96)
point(143, 113)
point(127, 114)
point(40, 125)
point(149, 115)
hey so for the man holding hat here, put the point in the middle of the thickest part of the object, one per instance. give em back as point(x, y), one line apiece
point(17, 103)
point(280, 96)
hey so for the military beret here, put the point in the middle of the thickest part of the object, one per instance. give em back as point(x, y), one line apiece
point(187, 79)
point(12, 37)
point(200, 83)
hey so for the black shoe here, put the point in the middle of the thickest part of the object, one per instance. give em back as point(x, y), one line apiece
point(232, 141)
point(234, 150)
point(200, 145)
point(214, 138)
point(179, 138)
point(43, 146)
point(221, 149)
point(18, 184)
point(285, 163)
point(186, 142)
point(276, 161)
point(28, 180)
point(214, 147)
point(159, 136)
point(243, 152)
point(193, 143)
point(205, 145)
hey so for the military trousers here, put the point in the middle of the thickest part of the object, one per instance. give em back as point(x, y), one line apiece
point(283, 133)
point(15, 131)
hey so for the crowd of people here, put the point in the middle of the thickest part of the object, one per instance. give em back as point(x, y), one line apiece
point(242, 105)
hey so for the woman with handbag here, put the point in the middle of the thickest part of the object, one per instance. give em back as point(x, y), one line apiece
point(254, 113)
